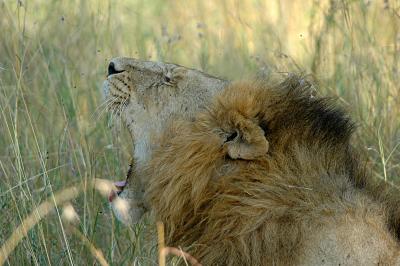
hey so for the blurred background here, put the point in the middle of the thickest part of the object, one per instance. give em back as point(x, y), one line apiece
point(54, 131)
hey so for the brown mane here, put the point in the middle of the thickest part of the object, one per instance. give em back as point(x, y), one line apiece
point(267, 176)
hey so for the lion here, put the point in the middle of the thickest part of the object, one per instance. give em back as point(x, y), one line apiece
point(266, 176)
point(146, 95)
point(263, 175)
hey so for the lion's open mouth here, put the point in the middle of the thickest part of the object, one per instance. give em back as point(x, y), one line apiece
point(120, 185)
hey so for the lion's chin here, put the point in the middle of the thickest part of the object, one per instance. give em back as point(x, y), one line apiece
point(128, 211)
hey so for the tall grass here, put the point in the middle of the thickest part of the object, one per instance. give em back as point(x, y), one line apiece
point(53, 56)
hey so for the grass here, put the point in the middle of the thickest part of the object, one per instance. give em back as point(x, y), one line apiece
point(53, 58)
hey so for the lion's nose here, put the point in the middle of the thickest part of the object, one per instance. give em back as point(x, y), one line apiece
point(112, 70)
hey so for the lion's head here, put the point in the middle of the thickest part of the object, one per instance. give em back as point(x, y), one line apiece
point(147, 94)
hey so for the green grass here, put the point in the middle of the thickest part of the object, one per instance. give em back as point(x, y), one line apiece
point(53, 58)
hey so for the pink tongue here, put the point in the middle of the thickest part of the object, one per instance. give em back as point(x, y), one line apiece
point(120, 184)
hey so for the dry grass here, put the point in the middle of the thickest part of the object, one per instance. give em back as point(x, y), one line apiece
point(53, 56)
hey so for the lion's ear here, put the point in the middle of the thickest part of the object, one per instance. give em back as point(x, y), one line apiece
point(246, 142)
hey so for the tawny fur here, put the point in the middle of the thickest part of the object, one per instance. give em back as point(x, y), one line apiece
point(267, 176)
point(146, 95)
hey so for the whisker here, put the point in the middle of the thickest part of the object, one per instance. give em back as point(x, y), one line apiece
point(104, 109)
point(122, 106)
point(99, 108)
point(121, 109)
point(107, 107)
point(112, 114)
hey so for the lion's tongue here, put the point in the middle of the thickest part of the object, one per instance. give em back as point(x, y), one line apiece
point(120, 186)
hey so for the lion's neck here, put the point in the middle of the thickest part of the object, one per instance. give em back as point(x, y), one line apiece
point(142, 152)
